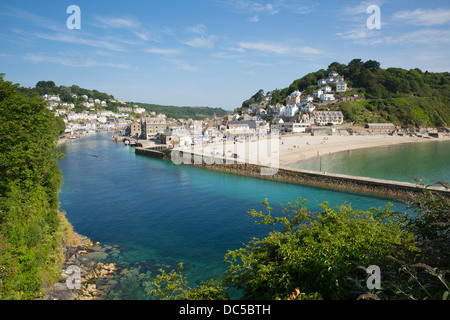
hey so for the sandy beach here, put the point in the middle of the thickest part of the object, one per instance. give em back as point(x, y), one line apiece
point(289, 149)
point(302, 147)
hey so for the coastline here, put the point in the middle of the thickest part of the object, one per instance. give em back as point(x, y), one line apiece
point(324, 145)
point(80, 255)
point(294, 148)
point(251, 161)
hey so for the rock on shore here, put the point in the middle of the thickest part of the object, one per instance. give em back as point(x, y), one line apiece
point(79, 273)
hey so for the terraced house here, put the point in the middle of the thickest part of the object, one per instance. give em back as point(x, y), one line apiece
point(325, 117)
point(155, 125)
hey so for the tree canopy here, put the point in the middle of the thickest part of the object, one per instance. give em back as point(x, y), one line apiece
point(30, 222)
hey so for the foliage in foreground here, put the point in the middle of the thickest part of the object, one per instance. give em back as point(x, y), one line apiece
point(31, 226)
point(311, 256)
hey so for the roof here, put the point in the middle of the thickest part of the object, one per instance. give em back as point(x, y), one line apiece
point(380, 125)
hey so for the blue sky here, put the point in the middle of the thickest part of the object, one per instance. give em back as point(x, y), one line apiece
point(213, 53)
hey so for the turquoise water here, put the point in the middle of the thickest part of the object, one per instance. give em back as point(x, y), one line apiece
point(428, 161)
point(151, 213)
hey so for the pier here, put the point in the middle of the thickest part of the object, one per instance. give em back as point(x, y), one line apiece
point(340, 182)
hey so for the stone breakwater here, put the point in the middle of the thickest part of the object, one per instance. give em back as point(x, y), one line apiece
point(90, 270)
point(369, 186)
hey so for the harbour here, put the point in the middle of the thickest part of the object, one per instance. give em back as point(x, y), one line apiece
point(157, 214)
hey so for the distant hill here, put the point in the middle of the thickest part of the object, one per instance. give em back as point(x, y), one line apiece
point(195, 113)
point(66, 95)
point(410, 98)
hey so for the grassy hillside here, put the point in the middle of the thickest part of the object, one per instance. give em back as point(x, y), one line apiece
point(406, 97)
point(406, 111)
point(195, 113)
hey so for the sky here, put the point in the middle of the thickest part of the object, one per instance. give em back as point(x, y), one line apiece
point(214, 53)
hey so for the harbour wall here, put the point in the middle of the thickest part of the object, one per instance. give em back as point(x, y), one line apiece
point(339, 182)
point(150, 153)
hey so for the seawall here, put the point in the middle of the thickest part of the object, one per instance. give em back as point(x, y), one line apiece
point(340, 182)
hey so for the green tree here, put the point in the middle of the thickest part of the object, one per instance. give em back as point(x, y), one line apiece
point(30, 223)
point(312, 253)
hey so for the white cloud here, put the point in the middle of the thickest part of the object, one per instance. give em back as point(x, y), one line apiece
point(360, 7)
point(277, 49)
point(117, 22)
point(181, 65)
point(162, 51)
point(199, 29)
point(72, 61)
point(254, 19)
point(372, 37)
point(201, 42)
point(112, 44)
point(424, 17)
point(258, 8)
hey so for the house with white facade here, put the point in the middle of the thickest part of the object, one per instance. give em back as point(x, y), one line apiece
point(294, 98)
point(307, 107)
point(290, 111)
point(325, 117)
point(327, 97)
point(279, 110)
point(306, 99)
point(317, 93)
point(341, 86)
point(327, 89)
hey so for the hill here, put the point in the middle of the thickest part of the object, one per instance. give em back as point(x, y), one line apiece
point(195, 113)
point(409, 98)
point(73, 95)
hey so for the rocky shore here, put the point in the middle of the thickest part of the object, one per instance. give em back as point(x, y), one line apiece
point(80, 271)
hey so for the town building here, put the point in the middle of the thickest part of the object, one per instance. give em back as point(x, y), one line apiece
point(326, 117)
point(294, 98)
point(341, 86)
point(154, 125)
point(136, 129)
point(327, 97)
point(290, 111)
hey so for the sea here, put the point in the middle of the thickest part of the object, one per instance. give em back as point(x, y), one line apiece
point(150, 214)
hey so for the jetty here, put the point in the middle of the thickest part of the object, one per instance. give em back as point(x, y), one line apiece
point(363, 185)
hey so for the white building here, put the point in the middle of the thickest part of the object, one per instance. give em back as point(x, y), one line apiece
point(279, 110)
point(294, 98)
point(322, 82)
point(292, 127)
point(317, 93)
point(341, 86)
point(290, 111)
point(327, 89)
point(327, 97)
point(138, 110)
point(307, 99)
point(308, 107)
point(326, 117)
